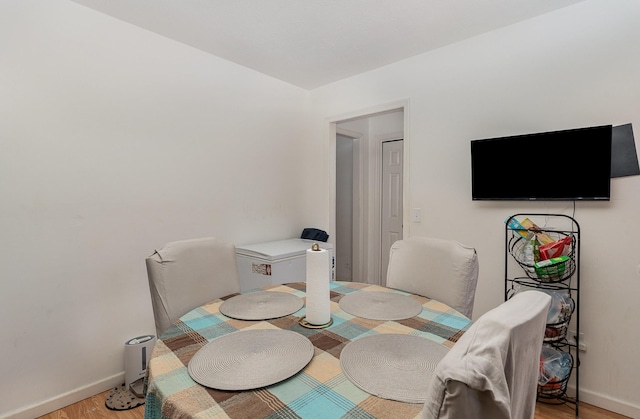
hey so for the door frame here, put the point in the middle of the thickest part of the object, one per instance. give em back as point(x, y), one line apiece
point(369, 252)
point(358, 219)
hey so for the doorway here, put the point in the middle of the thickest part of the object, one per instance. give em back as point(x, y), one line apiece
point(369, 156)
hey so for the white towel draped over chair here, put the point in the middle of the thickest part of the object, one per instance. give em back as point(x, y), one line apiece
point(492, 371)
point(188, 273)
point(444, 270)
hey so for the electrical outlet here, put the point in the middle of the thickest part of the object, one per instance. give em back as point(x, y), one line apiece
point(571, 338)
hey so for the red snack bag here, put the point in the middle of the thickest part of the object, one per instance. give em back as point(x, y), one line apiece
point(555, 249)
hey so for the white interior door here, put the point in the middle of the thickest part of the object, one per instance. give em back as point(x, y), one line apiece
point(391, 202)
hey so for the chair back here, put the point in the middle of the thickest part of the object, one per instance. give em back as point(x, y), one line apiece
point(492, 371)
point(444, 270)
point(188, 273)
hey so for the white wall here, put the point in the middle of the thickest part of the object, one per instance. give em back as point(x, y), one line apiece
point(113, 141)
point(574, 67)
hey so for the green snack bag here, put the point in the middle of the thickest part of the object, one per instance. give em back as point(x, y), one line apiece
point(551, 267)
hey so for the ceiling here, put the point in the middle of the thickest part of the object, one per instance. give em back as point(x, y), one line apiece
point(310, 43)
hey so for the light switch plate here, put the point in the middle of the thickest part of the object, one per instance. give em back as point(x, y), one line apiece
point(416, 215)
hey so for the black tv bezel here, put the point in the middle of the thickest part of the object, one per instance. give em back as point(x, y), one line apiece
point(544, 136)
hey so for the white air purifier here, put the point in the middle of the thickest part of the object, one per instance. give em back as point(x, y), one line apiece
point(137, 352)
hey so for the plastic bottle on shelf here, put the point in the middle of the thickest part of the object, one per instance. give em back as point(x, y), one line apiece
point(550, 364)
point(565, 366)
point(536, 249)
point(528, 252)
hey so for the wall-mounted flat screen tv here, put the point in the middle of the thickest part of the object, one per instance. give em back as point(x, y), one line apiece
point(564, 165)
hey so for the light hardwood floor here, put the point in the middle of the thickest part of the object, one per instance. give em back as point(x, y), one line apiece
point(94, 408)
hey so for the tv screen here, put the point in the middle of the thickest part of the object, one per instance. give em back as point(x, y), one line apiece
point(564, 165)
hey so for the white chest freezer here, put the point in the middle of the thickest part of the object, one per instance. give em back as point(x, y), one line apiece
point(276, 262)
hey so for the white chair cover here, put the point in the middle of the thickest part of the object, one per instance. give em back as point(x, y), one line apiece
point(444, 270)
point(188, 273)
point(492, 371)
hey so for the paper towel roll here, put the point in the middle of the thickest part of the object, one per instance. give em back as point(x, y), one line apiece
point(318, 277)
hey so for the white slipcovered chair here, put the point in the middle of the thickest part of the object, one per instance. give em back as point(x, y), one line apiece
point(444, 270)
point(185, 274)
point(492, 371)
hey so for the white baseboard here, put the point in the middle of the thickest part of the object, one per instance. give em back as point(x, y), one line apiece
point(606, 402)
point(611, 404)
point(62, 400)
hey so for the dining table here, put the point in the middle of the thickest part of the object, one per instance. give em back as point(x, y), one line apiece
point(320, 389)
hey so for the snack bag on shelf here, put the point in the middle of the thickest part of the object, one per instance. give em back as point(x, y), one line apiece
point(513, 224)
point(551, 267)
point(561, 306)
point(543, 238)
point(556, 249)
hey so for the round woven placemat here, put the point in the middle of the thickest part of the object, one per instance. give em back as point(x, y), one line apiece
point(261, 305)
point(392, 366)
point(377, 305)
point(250, 359)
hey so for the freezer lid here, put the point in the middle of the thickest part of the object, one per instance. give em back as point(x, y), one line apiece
point(280, 249)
